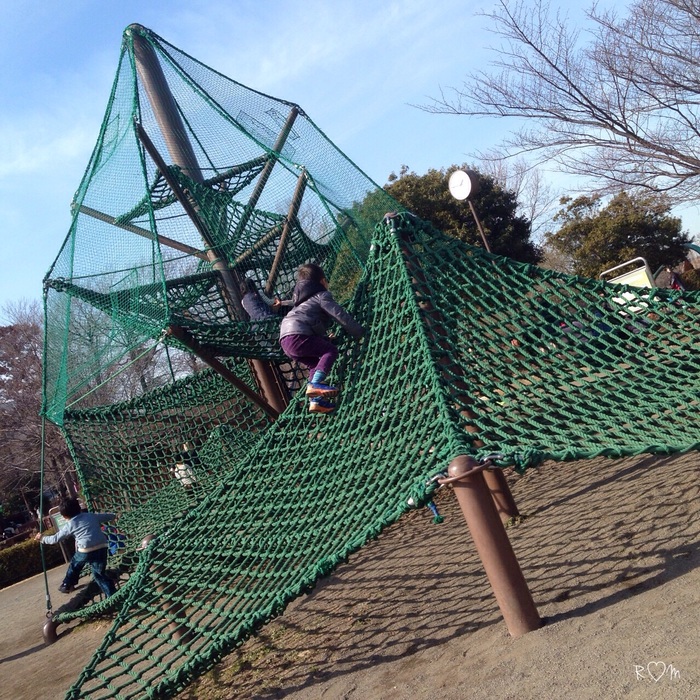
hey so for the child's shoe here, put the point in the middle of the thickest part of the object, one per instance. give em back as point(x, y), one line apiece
point(318, 389)
point(321, 405)
point(66, 589)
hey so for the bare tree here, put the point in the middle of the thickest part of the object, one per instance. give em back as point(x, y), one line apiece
point(20, 402)
point(618, 104)
point(537, 198)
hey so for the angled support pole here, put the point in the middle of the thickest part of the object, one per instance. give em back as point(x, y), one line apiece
point(502, 496)
point(144, 233)
point(289, 222)
point(188, 340)
point(267, 169)
point(229, 282)
point(167, 114)
point(465, 475)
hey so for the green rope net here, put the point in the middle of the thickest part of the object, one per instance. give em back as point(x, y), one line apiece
point(467, 353)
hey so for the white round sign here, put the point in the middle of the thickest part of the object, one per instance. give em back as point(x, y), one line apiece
point(460, 184)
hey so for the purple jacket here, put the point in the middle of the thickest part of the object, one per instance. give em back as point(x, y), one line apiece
point(314, 312)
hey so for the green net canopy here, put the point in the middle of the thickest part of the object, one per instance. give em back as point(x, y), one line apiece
point(196, 183)
point(226, 514)
point(438, 371)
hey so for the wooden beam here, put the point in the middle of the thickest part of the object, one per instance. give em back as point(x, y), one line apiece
point(191, 343)
point(145, 233)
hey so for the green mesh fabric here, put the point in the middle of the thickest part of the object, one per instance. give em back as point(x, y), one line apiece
point(438, 363)
point(152, 229)
point(467, 353)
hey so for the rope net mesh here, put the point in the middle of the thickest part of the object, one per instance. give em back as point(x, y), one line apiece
point(467, 353)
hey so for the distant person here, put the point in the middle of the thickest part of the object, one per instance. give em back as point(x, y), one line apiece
point(91, 545)
point(184, 469)
point(255, 306)
point(674, 280)
point(303, 333)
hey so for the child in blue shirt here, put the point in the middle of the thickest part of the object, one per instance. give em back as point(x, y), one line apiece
point(91, 545)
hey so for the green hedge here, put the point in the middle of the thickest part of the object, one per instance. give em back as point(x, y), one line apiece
point(24, 560)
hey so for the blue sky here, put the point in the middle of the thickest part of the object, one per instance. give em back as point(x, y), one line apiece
point(354, 67)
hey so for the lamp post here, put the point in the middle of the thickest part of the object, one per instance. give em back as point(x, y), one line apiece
point(463, 184)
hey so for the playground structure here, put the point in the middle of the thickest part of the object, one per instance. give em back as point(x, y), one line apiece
point(196, 183)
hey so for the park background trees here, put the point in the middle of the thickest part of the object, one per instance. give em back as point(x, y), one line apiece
point(427, 196)
point(612, 106)
point(25, 441)
point(593, 238)
point(615, 103)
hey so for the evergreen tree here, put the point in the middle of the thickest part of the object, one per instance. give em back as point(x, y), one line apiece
point(428, 197)
point(594, 238)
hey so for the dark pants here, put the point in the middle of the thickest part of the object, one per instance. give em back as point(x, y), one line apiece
point(98, 562)
point(312, 351)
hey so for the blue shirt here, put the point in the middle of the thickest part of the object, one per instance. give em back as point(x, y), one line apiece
point(86, 528)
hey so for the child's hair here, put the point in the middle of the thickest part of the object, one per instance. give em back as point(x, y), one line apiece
point(311, 272)
point(247, 285)
point(70, 508)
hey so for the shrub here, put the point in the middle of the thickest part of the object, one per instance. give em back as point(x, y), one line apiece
point(691, 279)
point(24, 560)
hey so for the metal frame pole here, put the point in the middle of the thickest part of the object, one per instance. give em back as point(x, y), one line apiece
point(177, 141)
point(465, 475)
point(502, 496)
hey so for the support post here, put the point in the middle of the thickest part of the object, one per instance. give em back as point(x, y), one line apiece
point(230, 290)
point(267, 169)
point(289, 222)
point(500, 491)
point(478, 225)
point(166, 112)
point(190, 342)
point(145, 233)
point(492, 543)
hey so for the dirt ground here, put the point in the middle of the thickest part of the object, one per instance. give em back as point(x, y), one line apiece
point(609, 549)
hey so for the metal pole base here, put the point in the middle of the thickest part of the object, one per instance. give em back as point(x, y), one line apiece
point(49, 631)
point(492, 543)
point(501, 493)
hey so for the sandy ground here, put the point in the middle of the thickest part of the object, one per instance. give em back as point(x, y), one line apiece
point(609, 550)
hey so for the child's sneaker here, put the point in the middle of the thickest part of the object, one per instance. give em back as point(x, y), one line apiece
point(319, 389)
point(321, 405)
point(66, 589)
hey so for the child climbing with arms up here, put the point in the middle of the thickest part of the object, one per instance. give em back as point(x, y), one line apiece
point(91, 545)
point(303, 333)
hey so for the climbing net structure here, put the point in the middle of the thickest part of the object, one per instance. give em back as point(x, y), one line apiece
point(467, 354)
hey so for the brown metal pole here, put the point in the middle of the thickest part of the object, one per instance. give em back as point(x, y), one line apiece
point(500, 491)
point(190, 342)
point(290, 221)
point(492, 543)
point(478, 225)
point(230, 290)
point(145, 233)
point(177, 141)
point(164, 106)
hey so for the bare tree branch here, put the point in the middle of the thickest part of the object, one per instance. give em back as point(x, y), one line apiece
point(618, 104)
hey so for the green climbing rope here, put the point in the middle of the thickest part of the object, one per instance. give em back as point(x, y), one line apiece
point(467, 353)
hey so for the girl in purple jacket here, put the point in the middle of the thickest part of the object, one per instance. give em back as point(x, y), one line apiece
point(303, 333)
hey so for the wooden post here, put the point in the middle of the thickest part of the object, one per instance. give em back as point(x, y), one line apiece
point(465, 475)
point(290, 221)
point(190, 342)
